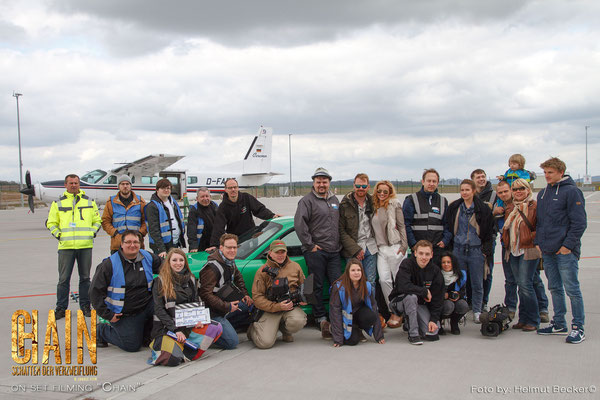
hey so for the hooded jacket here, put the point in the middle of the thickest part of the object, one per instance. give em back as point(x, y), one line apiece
point(238, 216)
point(561, 217)
point(412, 279)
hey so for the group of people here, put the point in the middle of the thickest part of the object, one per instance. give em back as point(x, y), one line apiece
point(448, 271)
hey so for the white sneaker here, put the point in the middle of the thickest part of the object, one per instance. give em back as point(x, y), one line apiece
point(476, 317)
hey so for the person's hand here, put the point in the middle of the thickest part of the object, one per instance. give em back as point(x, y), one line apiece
point(382, 341)
point(500, 177)
point(563, 250)
point(446, 295)
point(210, 249)
point(337, 345)
point(180, 337)
point(162, 254)
point(286, 305)
point(303, 303)
point(248, 300)
point(441, 244)
point(428, 297)
point(199, 325)
point(432, 326)
point(498, 210)
point(193, 250)
point(317, 247)
point(116, 317)
point(233, 306)
point(277, 215)
point(360, 255)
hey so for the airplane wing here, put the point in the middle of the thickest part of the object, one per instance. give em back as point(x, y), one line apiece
point(149, 165)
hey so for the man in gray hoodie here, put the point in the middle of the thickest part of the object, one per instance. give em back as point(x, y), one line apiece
point(316, 223)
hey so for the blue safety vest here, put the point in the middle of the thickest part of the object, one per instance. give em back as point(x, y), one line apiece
point(124, 218)
point(200, 225)
point(347, 310)
point(115, 298)
point(165, 222)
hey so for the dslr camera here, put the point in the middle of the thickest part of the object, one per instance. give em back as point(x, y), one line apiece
point(495, 321)
point(280, 289)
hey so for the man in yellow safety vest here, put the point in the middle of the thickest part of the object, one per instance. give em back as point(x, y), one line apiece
point(74, 221)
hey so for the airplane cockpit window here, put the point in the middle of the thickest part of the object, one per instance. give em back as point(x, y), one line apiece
point(94, 176)
point(192, 179)
point(111, 180)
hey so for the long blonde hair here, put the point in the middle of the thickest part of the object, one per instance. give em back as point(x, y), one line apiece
point(378, 203)
point(166, 273)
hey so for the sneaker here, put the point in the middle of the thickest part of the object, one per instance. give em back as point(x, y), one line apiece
point(476, 317)
point(415, 340)
point(59, 313)
point(86, 311)
point(441, 331)
point(326, 330)
point(576, 335)
point(544, 317)
point(432, 338)
point(552, 329)
point(286, 337)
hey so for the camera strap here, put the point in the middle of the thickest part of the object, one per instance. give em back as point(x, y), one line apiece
point(531, 228)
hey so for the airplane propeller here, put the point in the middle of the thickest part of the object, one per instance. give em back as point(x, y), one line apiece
point(29, 190)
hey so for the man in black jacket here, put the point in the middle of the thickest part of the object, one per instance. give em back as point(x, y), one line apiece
point(235, 212)
point(419, 294)
point(200, 221)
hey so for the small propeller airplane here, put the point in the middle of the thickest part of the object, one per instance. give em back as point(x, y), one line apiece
point(253, 170)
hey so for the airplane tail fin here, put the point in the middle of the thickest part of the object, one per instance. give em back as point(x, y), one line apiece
point(258, 157)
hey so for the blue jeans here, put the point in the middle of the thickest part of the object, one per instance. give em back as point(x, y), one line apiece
point(370, 266)
point(471, 259)
point(510, 287)
point(323, 264)
point(66, 261)
point(129, 332)
point(229, 338)
point(562, 273)
point(524, 272)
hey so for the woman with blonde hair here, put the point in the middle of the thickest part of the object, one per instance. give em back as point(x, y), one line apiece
point(518, 234)
point(390, 235)
point(172, 344)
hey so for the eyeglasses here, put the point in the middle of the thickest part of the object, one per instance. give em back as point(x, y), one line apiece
point(230, 247)
point(383, 191)
point(361, 186)
point(519, 188)
point(132, 242)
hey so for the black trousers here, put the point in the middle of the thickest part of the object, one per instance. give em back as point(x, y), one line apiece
point(362, 319)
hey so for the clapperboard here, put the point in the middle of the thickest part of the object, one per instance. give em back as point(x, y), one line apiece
point(189, 314)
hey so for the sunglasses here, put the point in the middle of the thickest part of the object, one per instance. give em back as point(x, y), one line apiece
point(383, 191)
point(361, 186)
point(519, 188)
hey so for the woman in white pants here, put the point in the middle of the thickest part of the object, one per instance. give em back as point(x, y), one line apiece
point(390, 234)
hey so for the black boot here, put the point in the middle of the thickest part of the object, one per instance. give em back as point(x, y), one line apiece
point(454, 329)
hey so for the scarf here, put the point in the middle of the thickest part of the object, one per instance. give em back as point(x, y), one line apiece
point(228, 262)
point(449, 277)
point(513, 221)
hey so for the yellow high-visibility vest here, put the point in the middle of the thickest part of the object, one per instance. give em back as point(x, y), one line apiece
point(74, 221)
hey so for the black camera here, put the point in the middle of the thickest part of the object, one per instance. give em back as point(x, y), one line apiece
point(495, 321)
point(453, 295)
point(280, 289)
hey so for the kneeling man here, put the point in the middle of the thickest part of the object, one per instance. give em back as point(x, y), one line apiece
point(277, 314)
point(419, 294)
point(121, 293)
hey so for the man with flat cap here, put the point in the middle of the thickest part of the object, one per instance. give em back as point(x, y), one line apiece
point(317, 225)
point(123, 211)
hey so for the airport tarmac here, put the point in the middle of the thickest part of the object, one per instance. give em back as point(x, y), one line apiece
point(514, 365)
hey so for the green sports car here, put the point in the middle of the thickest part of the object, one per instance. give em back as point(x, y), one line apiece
point(254, 246)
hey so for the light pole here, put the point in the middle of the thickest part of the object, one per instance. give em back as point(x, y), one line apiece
point(586, 159)
point(16, 96)
point(290, 146)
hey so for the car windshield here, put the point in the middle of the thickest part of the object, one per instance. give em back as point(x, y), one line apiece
point(256, 237)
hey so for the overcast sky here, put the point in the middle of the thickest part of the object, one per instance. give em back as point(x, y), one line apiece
point(383, 87)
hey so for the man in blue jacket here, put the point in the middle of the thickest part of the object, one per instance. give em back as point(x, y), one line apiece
point(561, 221)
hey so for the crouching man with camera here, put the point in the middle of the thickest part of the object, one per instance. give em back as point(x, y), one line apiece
point(223, 291)
point(276, 296)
